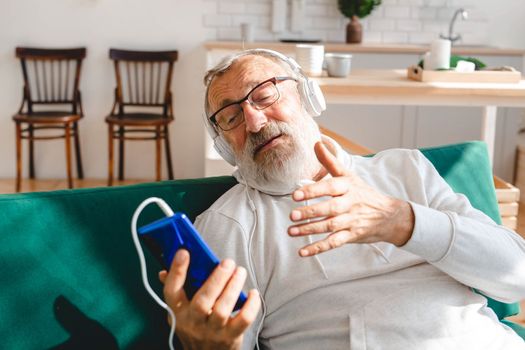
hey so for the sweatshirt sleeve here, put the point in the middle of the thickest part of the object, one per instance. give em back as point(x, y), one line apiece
point(463, 242)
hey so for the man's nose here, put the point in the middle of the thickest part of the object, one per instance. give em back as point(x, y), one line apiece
point(254, 118)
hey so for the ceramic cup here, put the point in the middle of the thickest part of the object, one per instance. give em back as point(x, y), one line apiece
point(338, 64)
point(310, 58)
point(439, 54)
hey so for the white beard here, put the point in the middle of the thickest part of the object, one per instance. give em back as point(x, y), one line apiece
point(283, 168)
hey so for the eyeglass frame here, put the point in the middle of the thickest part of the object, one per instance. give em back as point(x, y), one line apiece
point(273, 80)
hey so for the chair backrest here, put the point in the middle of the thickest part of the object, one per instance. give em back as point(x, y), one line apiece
point(51, 76)
point(143, 79)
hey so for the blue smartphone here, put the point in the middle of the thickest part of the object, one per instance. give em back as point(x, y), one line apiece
point(167, 235)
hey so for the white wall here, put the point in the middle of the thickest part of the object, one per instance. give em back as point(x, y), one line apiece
point(162, 24)
point(99, 25)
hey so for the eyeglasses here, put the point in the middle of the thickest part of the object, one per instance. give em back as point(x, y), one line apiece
point(262, 96)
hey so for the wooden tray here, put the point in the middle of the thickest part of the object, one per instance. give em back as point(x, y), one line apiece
point(419, 74)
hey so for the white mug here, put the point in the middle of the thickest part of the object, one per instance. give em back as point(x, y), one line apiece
point(310, 58)
point(338, 64)
point(440, 54)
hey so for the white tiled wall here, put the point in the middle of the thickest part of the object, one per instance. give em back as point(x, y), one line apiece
point(394, 21)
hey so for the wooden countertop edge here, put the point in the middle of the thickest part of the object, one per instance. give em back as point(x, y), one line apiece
point(363, 48)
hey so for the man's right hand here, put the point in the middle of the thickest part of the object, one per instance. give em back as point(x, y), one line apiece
point(205, 322)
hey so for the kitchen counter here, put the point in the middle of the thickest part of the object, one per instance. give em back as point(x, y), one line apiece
point(366, 48)
point(392, 87)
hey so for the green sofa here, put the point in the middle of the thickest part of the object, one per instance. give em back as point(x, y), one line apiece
point(69, 273)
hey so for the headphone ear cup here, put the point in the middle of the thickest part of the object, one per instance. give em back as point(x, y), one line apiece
point(312, 97)
point(316, 96)
point(220, 144)
point(224, 150)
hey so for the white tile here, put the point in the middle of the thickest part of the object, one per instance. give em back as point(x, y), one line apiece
point(372, 37)
point(325, 23)
point(262, 9)
point(424, 38)
point(264, 22)
point(382, 24)
point(408, 25)
point(462, 3)
point(447, 13)
point(411, 2)
point(229, 34)
point(316, 10)
point(314, 34)
point(477, 15)
point(231, 7)
point(378, 12)
point(477, 38)
point(435, 3)
point(395, 37)
point(423, 13)
point(336, 36)
point(435, 27)
point(238, 19)
point(333, 11)
point(217, 20)
point(397, 12)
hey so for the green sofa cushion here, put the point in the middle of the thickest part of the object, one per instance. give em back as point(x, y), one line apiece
point(69, 271)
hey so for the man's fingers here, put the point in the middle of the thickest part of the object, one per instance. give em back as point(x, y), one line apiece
point(174, 280)
point(247, 315)
point(162, 276)
point(224, 306)
point(335, 186)
point(332, 207)
point(334, 240)
point(328, 160)
point(330, 224)
point(205, 298)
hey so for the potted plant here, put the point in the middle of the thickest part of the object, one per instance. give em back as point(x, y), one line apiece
point(355, 9)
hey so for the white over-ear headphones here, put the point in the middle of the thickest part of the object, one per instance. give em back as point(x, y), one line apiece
point(309, 92)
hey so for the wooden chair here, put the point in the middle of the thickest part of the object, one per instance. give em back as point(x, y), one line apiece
point(143, 84)
point(51, 85)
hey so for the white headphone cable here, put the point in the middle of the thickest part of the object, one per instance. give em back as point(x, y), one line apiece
point(252, 265)
point(168, 212)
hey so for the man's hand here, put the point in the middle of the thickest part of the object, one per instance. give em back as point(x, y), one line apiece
point(356, 213)
point(206, 322)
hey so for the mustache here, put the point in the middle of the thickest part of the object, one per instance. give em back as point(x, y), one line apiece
point(256, 141)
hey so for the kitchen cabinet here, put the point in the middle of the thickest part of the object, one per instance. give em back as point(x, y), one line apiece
point(386, 126)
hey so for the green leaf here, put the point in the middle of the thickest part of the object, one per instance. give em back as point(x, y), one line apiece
point(454, 59)
point(359, 8)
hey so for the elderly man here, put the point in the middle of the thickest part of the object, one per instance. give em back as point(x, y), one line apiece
point(401, 250)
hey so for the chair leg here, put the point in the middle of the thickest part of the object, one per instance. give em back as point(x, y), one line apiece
point(18, 157)
point(168, 152)
point(158, 151)
point(121, 153)
point(78, 157)
point(110, 154)
point(67, 140)
point(31, 152)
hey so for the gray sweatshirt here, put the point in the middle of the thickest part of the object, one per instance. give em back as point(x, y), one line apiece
point(364, 296)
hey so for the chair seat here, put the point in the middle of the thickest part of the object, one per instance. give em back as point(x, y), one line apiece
point(47, 117)
point(139, 119)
